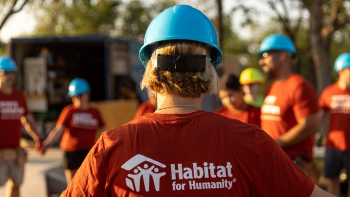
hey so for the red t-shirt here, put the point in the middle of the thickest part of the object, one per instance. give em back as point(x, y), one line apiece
point(250, 115)
point(284, 104)
point(80, 127)
point(337, 102)
point(192, 154)
point(12, 108)
point(145, 108)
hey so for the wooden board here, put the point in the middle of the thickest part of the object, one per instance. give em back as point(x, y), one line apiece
point(116, 112)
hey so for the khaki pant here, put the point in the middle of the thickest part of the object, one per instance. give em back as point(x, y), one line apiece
point(12, 165)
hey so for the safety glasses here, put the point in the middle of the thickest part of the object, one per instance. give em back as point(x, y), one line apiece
point(3, 72)
point(269, 53)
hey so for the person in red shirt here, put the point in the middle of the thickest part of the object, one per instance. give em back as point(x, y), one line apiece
point(13, 114)
point(146, 107)
point(181, 150)
point(289, 113)
point(335, 99)
point(77, 124)
point(232, 97)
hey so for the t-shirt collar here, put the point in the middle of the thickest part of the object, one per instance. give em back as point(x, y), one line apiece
point(173, 116)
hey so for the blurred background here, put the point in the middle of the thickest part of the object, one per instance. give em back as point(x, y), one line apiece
point(54, 41)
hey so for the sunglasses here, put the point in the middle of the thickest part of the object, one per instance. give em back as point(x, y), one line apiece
point(269, 53)
point(4, 72)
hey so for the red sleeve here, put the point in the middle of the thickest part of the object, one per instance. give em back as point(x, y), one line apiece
point(91, 178)
point(304, 100)
point(26, 110)
point(322, 101)
point(100, 120)
point(63, 119)
point(276, 174)
point(220, 111)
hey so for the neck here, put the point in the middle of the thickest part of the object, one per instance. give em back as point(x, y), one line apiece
point(6, 89)
point(186, 104)
point(344, 79)
point(81, 105)
point(344, 84)
point(240, 109)
point(284, 73)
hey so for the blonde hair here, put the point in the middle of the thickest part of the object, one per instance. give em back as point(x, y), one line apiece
point(185, 84)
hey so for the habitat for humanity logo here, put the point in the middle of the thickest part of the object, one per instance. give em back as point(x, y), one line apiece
point(135, 165)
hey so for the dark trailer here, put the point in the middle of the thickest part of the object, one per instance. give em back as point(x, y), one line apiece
point(46, 66)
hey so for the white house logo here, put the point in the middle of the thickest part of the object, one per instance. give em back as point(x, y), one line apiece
point(145, 171)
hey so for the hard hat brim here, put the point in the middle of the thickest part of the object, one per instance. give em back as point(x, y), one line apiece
point(146, 50)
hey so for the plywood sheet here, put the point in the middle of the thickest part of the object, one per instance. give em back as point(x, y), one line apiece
point(116, 112)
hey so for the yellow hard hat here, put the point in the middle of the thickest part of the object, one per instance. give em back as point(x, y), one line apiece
point(251, 75)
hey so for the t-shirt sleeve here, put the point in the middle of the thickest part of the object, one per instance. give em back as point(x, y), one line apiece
point(91, 178)
point(63, 119)
point(219, 111)
point(304, 100)
point(276, 174)
point(322, 101)
point(101, 123)
point(26, 110)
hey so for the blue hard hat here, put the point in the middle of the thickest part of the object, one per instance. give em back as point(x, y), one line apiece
point(181, 22)
point(7, 64)
point(342, 61)
point(78, 86)
point(276, 42)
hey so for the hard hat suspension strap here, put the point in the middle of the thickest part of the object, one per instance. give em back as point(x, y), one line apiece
point(182, 63)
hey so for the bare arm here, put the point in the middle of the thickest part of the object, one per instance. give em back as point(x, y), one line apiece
point(31, 127)
point(54, 136)
point(322, 115)
point(304, 129)
point(318, 192)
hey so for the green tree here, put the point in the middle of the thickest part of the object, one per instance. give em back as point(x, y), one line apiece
point(326, 17)
point(137, 15)
point(77, 17)
point(8, 8)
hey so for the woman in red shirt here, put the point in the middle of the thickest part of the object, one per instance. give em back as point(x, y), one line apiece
point(77, 124)
point(181, 150)
point(146, 107)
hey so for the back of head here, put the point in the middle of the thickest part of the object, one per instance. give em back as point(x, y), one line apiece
point(184, 84)
point(229, 82)
point(180, 53)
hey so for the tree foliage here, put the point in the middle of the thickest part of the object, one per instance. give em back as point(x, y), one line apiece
point(76, 17)
point(9, 8)
point(137, 15)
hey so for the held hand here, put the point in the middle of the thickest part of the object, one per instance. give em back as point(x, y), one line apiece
point(38, 145)
point(43, 149)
